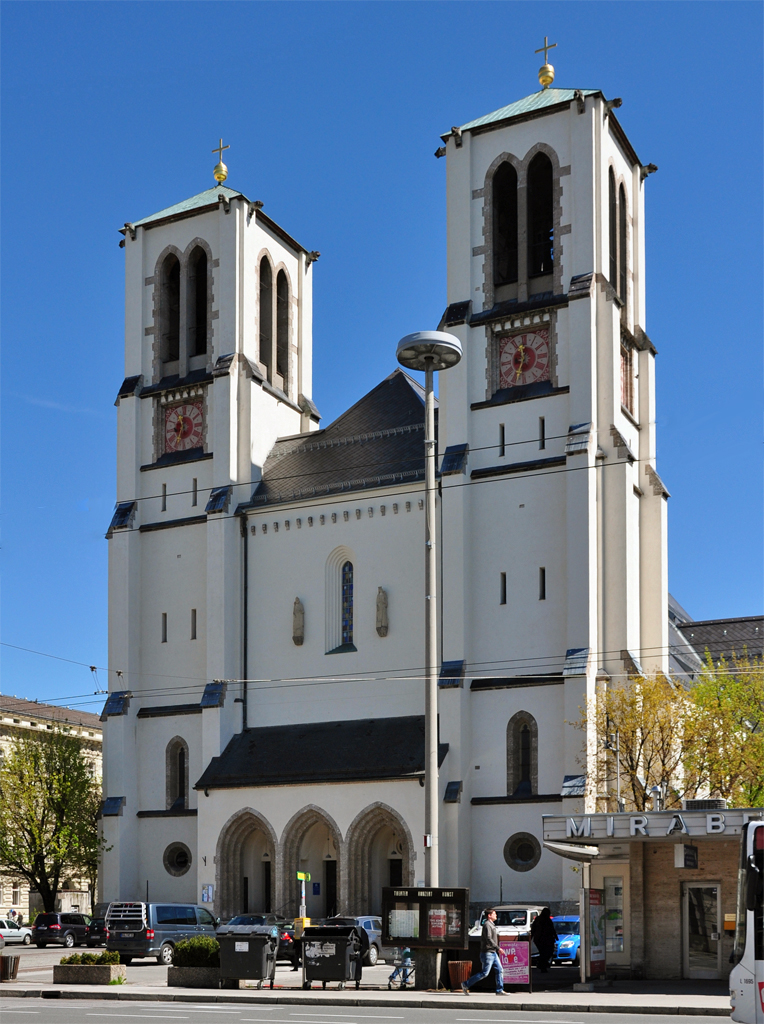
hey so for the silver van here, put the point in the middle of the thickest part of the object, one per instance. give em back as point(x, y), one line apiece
point(154, 929)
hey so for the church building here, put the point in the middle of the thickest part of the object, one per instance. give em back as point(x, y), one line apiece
point(266, 574)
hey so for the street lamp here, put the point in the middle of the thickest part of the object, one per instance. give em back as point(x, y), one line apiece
point(430, 351)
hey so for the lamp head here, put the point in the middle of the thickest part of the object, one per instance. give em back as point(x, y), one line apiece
point(434, 349)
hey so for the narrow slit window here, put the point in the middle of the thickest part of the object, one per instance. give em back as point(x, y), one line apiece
point(627, 378)
point(502, 441)
point(282, 329)
point(613, 226)
point(505, 225)
point(347, 603)
point(164, 627)
point(542, 432)
point(503, 588)
point(266, 317)
point(182, 774)
point(622, 262)
point(197, 303)
point(542, 584)
point(193, 623)
point(169, 311)
point(194, 491)
point(540, 216)
point(164, 497)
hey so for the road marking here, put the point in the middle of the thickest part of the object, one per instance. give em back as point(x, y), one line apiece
point(515, 1020)
point(142, 1016)
point(20, 1011)
point(374, 1016)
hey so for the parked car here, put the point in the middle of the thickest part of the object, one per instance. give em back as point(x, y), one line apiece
point(98, 933)
point(154, 929)
point(513, 920)
point(13, 932)
point(566, 949)
point(61, 930)
point(373, 928)
point(288, 949)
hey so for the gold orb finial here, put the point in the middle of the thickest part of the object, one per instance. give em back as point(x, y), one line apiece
point(221, 171)
point(546, 71)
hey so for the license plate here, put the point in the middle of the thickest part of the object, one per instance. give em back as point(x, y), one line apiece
point(41, 927)
point(127, 935)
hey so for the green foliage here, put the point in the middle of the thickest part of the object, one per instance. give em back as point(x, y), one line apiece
point(119, 980)
point(106, 959)
point(201, 951)
point(49, 798)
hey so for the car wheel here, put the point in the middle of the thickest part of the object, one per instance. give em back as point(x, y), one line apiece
point(69, 940)
point(27, 939)
point(372, 956)
point(166, 955)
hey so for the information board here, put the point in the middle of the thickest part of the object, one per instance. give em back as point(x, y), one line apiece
point(596, 932)
point(515, 959)
point(421, 918)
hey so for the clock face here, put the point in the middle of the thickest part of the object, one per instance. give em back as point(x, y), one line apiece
point(183, 427)
point(524, 358)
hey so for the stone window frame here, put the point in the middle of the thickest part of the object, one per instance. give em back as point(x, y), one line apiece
point(514, 840)
point(183, 256)
point(173, 748)
point(290, 388)
point(333, 598)
point(486, 250)
point(514, 725)
point(167, 859)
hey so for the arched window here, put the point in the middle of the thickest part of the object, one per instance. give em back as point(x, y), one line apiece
point(266, 317)
point(282, 329)
point(505, 225)
point(197, 303)
point(623, 262)
point(176, 774)
point(169, 313)
point(347, 603)
point(540, 216)
point(522, 755)
point(613, 226)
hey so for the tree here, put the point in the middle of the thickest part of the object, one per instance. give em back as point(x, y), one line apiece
point(49, 797)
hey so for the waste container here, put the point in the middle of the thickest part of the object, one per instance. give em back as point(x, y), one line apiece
point(332, 952)
point(248, 952)
point(459, 971)
point(9, 967)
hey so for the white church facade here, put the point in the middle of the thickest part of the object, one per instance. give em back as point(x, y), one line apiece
point(266, 574)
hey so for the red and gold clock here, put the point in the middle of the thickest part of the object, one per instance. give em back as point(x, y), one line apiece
point(524, 358)
point(183, 427)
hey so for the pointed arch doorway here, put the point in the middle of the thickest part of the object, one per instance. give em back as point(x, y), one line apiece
point(246, 865)
point(380, 853)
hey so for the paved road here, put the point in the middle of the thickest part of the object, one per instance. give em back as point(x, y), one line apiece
point(43, 1011)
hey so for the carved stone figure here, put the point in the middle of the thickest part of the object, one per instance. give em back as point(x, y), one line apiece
point(298, 623)
point(382, 612)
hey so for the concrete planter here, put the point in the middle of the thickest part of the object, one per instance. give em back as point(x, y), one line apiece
point(193, 977)
point(87, 974)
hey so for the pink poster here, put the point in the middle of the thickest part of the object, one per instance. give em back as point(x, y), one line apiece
point(516, 961)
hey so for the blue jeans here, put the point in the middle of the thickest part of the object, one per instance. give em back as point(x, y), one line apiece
point(487, 961)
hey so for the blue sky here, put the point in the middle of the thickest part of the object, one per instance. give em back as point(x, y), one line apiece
point(333, 112)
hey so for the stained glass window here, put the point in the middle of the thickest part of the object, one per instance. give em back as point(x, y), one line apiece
point(347, 603)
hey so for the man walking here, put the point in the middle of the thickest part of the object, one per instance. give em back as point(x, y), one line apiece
point(489, 956)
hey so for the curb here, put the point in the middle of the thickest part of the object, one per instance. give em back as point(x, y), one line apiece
point(408, 1001)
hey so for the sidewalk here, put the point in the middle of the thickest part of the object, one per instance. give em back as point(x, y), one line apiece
point(625, 997)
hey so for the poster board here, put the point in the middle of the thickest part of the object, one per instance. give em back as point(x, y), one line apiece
point(425, 918)
point(515, 959)
point(595, 932)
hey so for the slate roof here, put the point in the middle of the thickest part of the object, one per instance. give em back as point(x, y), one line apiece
point(18, 707)
point(351, 751)
point(723, 637)
point(536, 101)
point(376, 443)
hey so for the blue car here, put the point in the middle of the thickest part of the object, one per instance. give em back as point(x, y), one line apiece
point(568, 940)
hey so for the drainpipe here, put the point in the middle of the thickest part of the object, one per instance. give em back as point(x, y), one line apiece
point(245, 617)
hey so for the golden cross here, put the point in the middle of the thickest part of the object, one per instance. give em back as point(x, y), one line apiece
point(547, 46)
point(221, 147)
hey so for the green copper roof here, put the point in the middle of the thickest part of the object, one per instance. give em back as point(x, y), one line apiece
point(536, 101)
point(194, 203)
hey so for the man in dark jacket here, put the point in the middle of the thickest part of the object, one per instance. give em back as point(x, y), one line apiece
point(544, 935)
point(489, 956)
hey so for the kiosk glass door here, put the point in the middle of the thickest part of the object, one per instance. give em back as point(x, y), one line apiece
point(701, 930)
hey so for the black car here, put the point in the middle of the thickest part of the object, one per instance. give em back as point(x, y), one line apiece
point(61, 930)
point(98, 931)
point(288, 948)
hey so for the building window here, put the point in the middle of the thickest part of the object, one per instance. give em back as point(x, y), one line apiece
point(503, 588)
point(505, 225)
point(522, 851)
point(542, 584)
point(347, 603)
point(266, 317)
point(522, 755)
point(542, 432)
point(164, 627)
point(627, 378)
point(622, 262)
point(502, 441)
point(197, 303)
point(540, 216)
point(164, 497)
point(282, 330)
point(16, 894)
point(169, 309)
point(194, 491)
point(177, 861)
point(613, 228)
point(176, 774)
point(193, 623)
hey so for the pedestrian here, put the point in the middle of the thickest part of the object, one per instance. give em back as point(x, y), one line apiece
point(544, 935)
point(402, 969)
point(489, 955)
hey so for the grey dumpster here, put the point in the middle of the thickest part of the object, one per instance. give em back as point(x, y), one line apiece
point(332, 952)
point(247, 952)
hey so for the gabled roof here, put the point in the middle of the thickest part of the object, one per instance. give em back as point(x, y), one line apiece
point(724, 637)
point(378, 442)
point(18, 707)
point(536, 101)
point(207, 198)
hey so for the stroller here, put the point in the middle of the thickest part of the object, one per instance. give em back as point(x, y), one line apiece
point(404, 969)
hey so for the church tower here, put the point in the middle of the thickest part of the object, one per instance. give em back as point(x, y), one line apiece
point(218, 302)
point(554, 520)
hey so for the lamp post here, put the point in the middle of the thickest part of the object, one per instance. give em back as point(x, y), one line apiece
point(430, 351)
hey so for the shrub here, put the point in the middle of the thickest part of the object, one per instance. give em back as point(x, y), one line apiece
point(107, 958)
point(201, 951)
point(72, 961)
